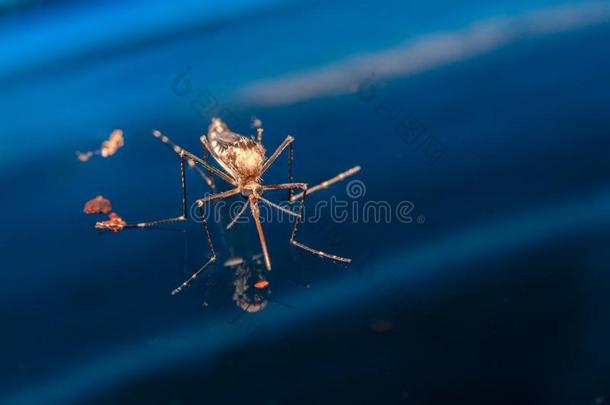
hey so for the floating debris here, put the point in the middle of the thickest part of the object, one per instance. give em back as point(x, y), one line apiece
point(109, 147)
point(114, 223)
point(98, 205)
point(114, 142)
point(256, 122)
point(101, 205)
point(261, 284)
point(83, 157)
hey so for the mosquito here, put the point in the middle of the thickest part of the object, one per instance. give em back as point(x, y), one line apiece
point(242, 163)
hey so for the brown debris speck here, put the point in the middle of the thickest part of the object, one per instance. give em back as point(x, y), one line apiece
point(261, 284)
point(83, 156)
point(114, 223)
point(114, 142)
point(98, 205)
point(109, 147)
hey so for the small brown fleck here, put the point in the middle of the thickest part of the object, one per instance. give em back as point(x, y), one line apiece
point(114, 142)
point(115, 223)
point(98, 205)
point(261, 284)
point(109, 147)
point(83, 156)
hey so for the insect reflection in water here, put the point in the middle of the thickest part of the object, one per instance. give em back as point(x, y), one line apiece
point(251, 290)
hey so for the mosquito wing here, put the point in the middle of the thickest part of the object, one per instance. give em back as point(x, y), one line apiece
point(237, 154)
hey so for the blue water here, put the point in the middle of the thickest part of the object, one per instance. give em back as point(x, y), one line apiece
point(499, 295)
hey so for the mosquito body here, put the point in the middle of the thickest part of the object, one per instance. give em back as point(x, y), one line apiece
point(240, 156)
point(243, 162)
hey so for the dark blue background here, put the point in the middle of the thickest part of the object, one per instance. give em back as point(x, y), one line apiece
point(500, 296)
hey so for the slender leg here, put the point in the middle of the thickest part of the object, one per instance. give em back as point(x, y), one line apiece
point(182, 217)
point(194, 158)
point(218, 196)
point(259, 135)
point(208, 179)
point(211, 260)
point(259, 229)
point(289, 139)
point(279, 207)
point(293, 236)
point(201, 202)
point(290, 160)
point(178, 150)
point(285, 186)
point(206, 154)
point(239, 214)
point(307, 248)
point(211, 169)
point(327, 183)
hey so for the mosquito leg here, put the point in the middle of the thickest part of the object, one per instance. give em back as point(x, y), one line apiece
point(289, 139)
point(239, 214)
point(178, 150)
point(285, 186)
point(201, 203)
point(195, 159)
point(303, 186)
point(327, 183)
point(211, 168)
point(182, 217)
point(211, 260)
point(218, 196)
point(290, 161)
point(208, 179)
point(259, 229)
point(206, 154)
point(307, 248)
point(279, 207)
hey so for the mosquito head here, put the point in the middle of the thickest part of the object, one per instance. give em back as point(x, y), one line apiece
point(252, 188)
